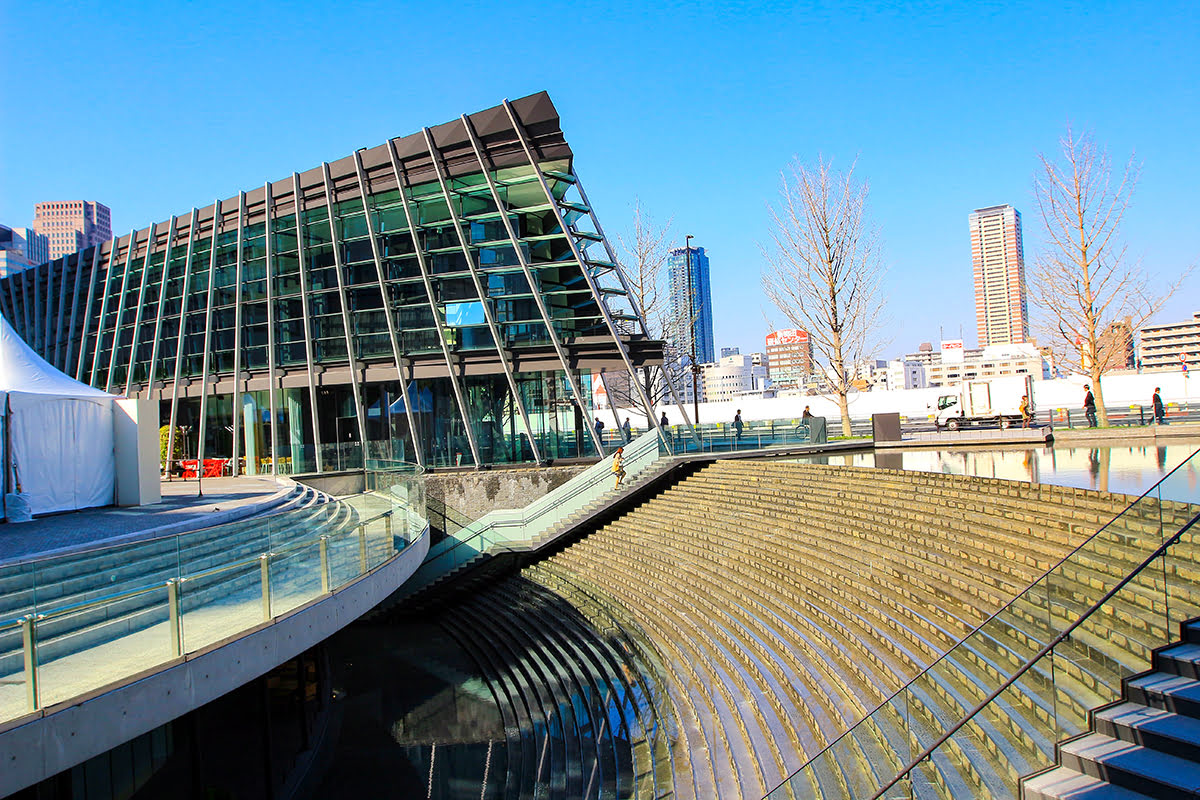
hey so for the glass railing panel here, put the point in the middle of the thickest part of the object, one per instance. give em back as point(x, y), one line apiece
point(85, 647)
point(1181, 575)
point(219, 602)
point(295, 577)
point(13, 702)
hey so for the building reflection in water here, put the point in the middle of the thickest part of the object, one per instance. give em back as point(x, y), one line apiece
point(1125, 468)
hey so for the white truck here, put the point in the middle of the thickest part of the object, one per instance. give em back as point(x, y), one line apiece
point(995, 401)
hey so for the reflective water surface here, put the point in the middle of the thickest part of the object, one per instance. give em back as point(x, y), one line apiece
point(1127, 468)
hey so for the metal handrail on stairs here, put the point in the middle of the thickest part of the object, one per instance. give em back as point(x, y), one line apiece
point(509, 529)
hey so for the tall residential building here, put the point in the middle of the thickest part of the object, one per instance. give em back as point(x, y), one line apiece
point(1171, 347)
point(21, 248)
point(691, 304)
point(998, 259)
point(72, 225)
point(789, 357)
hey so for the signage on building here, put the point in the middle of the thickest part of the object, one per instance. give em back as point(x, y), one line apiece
point(952, 351)
point(788, 336)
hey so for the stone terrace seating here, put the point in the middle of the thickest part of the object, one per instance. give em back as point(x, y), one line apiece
point(786, 601)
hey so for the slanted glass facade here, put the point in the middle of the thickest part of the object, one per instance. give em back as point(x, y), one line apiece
point(443, 298)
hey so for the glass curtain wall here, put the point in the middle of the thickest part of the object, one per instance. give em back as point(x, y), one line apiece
point(389, 275)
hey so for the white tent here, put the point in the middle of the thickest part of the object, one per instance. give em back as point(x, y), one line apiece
point(58, 432)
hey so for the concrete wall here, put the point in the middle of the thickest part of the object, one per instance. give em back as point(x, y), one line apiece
point(338, 484)
point(473, 494)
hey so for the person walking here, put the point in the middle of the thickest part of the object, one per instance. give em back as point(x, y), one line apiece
point(737, 426)
point(663, 422)
point(1026, 411)
point(1089, 406)
point(618, 466)
point(599, 426)
point(1160, 413)
point(628, 431)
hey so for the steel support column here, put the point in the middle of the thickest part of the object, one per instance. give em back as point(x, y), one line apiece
point(238, 422)
point(151, 368)
point(217, 223)
point(402, 186)
point(612, 256)
point(387, 315)
point(583, 268)
point(66, 358)
point(87, 309)
point(193, 224)
point(112, 355)
point(484, 301)
point(534, 287)
point(137, 317)
point(112, 258)
point(268, 219)
point(298, 202)
point(351, 358)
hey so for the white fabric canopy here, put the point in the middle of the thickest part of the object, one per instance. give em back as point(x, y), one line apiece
point(60, 437)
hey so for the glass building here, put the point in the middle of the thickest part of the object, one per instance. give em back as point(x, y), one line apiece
point(691, 304)
point(443, 298)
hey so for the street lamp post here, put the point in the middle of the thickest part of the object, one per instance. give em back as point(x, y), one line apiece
point(692, 316)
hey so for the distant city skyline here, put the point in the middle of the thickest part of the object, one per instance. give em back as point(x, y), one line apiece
point(701, 144)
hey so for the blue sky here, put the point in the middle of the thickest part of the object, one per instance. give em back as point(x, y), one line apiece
point(692, 107)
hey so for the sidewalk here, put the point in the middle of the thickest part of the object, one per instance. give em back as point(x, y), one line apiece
point(224, 499)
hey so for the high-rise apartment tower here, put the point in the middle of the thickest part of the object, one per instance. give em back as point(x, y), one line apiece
point(691, 304)
point(72, 225)
point(998, 259)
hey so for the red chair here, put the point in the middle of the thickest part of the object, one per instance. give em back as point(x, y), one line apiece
point(189, 467)
point(214, 467)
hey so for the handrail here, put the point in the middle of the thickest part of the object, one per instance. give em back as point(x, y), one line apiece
point(1028, 665)
point(521, 517)
point(84, 605)
point(1025, 667)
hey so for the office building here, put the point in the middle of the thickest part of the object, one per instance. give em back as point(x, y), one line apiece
point(691, 305)
point(730, 351)
point(1171, 347)
point(72, 225)
point(998, 260)
point(732, 377)
point(789, 357)
point(21, 248)
point(441, 298)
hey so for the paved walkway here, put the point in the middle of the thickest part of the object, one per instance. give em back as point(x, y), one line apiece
point(180, 505)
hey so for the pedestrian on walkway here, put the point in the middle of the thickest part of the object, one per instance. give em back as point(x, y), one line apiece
point(737, 426)
point(618, 466)
point(625, 429)
point(1026, 412)
point(1089, 406)
point(1160, 413)
point(663, 422)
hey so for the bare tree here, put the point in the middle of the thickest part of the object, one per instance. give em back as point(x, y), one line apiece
point(823, 272)
point(1090, 294)
point(643, 259)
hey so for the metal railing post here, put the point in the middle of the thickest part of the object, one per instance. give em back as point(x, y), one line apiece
point(173, 612)
point(264, 569)
point(324, 564)
point(29, 645)
point(362, 548)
